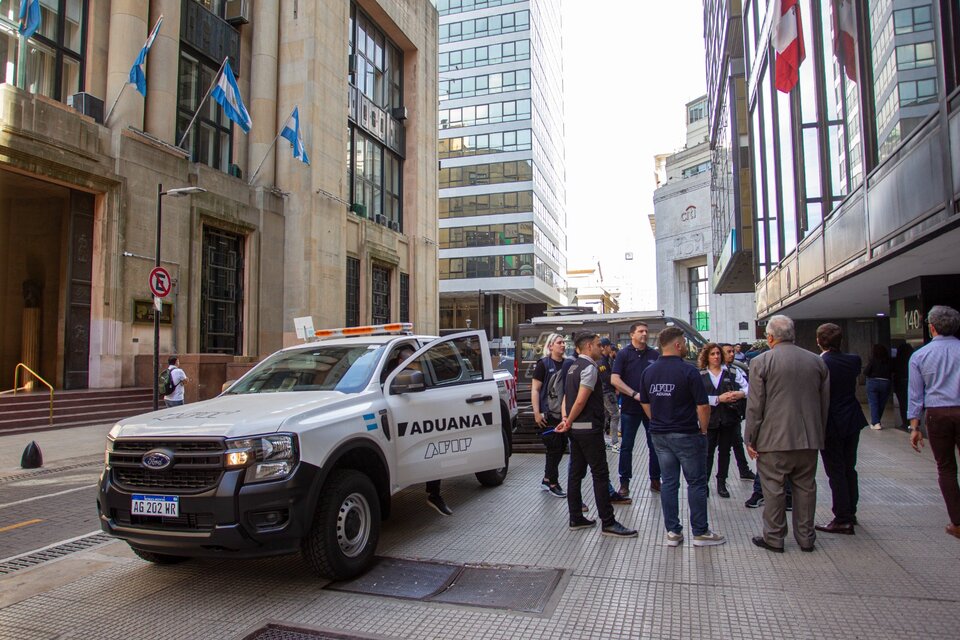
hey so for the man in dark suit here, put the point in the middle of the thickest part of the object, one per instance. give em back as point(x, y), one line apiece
point(786, 414)
point(845, 419)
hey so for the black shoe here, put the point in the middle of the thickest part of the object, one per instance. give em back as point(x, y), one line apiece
point(809, 549)
point(437, 503)
point(617, 498)
point(556, 491)
point(722, 489)
point(581, 523)
point(760, 542)
point(789, 506)
point(617, 530)
point(748, 475)
point(754, 502)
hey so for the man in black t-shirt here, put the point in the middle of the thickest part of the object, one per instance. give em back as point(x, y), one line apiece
point(553, 363)
point(583, 398)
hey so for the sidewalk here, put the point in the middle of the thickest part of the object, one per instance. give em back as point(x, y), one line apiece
point(59, 447)
point(897, 578)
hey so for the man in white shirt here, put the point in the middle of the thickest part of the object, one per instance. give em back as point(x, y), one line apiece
point(177, 377)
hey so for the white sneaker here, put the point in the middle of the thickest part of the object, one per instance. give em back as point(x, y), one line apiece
point(876, 427)
point(673, 539)
point(708, 539)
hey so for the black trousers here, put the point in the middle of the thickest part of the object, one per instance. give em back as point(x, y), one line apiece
point(840, 464)
point(738, 452)
point(433, 488)
point(589, 449)
point(902, 391)
point(725, 438)
point(556, 444)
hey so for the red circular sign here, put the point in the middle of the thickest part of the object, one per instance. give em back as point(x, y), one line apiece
point(160, 282)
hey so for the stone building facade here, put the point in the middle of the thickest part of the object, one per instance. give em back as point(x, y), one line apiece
point(350, 238)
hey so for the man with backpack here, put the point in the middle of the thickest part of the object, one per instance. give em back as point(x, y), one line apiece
point(171, 382)
point(546, 395)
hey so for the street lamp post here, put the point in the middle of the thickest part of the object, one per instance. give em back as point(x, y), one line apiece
point(173, 193)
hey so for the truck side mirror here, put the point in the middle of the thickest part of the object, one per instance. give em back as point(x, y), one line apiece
point(408, 381)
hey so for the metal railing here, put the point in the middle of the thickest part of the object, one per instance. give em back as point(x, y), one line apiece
point(16, 377)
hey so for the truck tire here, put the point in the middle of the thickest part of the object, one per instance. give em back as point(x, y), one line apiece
point(158, 558)
point(346, 527)
point(495, 477)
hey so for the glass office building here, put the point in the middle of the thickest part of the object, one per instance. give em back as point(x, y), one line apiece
point(854, 174)
point(502, 211)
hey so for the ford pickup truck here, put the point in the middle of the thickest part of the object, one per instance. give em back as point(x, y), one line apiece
point(304, 452)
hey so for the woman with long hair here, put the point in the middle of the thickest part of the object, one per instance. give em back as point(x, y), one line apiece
point(879, 373)
point(726, 389)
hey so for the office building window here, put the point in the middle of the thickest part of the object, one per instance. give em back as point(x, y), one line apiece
point(486, 55)
point(914, 92)
point(912, 20)
point(210, 140)
point(376, 67)
point(699, 298)
point(484, 143)
point(696, 112)
point(404, 297)
point(487, 84)
point(494, 113)
point(489, 235)
point(493, 173)
point(915, 56)
point(689, 172)
point(447, 7)
point(486, 204)
point(486, 266)
point(486, 26)
point(353, 292)
point(380, 294)
point(55, 54)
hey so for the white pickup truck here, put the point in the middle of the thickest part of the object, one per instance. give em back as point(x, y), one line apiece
point(305, 450)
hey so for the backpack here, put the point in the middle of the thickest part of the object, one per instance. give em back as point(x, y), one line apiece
point(167, 387)
point(551, 392)
point(740, 406)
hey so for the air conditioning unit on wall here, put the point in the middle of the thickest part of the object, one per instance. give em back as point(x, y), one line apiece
point(237, 12)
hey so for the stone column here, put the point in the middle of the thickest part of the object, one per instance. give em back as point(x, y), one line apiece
point(163, 64)
point(128, 32)
point(30, 331)
point(263, 91)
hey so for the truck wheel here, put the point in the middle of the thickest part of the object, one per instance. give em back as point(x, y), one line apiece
point(158, 558)
point(346, 527)
point(495, 477)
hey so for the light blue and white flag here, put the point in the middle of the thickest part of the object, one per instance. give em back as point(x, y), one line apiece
point(291, 131)
point(227, 95)
point(138, 72)
point(29, 17)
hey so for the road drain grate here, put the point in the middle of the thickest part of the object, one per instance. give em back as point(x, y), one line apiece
point(514, 588)
point(286, 632)
point(34, 558)
point(45, 472)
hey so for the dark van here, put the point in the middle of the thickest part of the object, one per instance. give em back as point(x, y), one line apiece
point(616, 326)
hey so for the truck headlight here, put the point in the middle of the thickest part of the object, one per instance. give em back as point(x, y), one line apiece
point(271, 457)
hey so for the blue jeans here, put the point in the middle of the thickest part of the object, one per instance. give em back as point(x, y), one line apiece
point(686, 452)
point(878, 392)
point(172, 403)
point(629, 426)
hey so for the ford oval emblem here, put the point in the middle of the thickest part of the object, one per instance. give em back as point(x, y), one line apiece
point(157, 459)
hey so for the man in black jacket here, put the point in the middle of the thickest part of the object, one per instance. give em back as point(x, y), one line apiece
point(844, 422)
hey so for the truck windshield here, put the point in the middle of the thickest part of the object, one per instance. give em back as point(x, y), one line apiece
point(345, 368)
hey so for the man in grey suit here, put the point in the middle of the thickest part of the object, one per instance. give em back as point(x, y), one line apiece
point(786, 421)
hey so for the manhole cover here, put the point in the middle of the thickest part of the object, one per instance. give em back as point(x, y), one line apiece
point(513, 588)
point(273, 631)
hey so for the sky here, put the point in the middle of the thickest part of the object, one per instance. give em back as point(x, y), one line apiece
point(630, 66)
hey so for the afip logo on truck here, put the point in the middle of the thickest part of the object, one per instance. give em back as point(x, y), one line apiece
point(447, 446)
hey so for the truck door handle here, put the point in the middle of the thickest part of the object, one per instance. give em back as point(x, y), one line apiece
point(478, 398)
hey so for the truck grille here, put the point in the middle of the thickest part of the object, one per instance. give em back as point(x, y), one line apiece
point(197, 465)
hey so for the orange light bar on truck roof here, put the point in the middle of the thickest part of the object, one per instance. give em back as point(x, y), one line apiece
point(368, 330)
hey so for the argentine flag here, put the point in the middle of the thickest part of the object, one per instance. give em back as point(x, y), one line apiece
point(291, 131)
point(29, 18)
point(138, 74)
point(227, 95)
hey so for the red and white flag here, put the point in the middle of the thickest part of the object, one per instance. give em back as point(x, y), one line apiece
point(845, 36)
point(786, 36)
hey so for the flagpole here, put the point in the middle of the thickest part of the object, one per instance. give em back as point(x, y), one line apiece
point(216, 78)
point(267, 154)
point(22, 63)
point(115, 102)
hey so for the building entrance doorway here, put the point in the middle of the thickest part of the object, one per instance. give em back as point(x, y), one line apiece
point(46, 269)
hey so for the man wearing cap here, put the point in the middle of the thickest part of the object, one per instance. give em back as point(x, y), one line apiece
point(610, 403)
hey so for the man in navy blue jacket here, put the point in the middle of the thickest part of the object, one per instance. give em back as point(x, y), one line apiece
point(845, 419)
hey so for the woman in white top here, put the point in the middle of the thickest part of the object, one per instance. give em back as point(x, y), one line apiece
point(726, 389)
